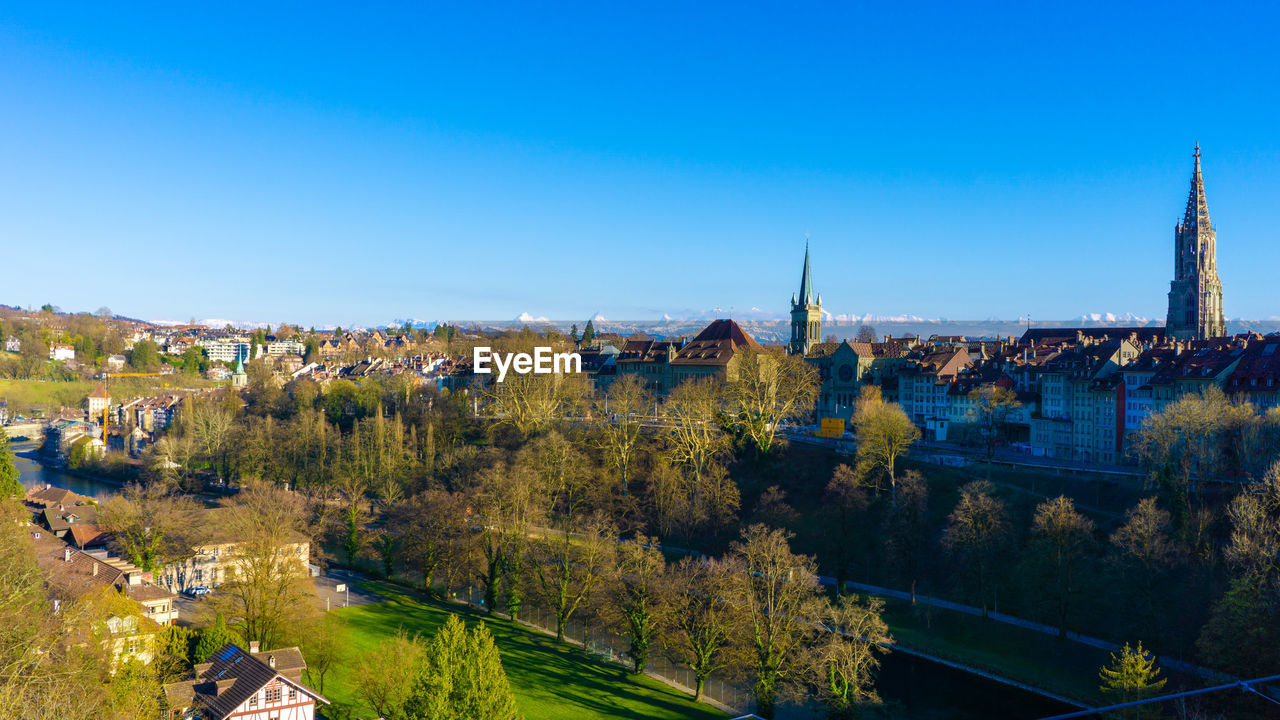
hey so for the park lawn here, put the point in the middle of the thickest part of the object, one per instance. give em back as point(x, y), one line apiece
point(550, 680)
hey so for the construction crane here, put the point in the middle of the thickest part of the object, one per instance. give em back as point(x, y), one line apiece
point(106, 406)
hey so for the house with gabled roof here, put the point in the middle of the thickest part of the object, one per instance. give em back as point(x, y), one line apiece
point(246, 685)
point(711, 353)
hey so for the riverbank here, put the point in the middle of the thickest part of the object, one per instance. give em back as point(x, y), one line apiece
point(35, 471)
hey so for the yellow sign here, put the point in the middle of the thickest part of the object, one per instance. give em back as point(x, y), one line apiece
point(831, 427)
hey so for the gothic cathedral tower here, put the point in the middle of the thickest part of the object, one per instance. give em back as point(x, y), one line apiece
point(806, 314)
point(1195, 295)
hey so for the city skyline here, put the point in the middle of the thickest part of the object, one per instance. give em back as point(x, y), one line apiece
point(471, 167)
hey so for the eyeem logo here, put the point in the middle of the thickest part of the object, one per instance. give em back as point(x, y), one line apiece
point(542, 362)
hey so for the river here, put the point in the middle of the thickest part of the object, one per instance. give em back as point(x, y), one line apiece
point(928, 690)
point(33, 474)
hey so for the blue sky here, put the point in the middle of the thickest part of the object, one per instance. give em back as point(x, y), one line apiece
point(333, 164)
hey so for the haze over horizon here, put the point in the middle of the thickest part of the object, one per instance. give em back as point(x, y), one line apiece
point(348, 168)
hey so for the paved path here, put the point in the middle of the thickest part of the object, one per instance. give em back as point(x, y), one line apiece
point(326, 589)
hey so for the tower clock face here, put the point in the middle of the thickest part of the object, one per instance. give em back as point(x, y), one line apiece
point(846, 373)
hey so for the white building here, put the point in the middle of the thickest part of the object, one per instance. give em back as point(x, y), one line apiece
point(59, 352)
point(286, 347)
point(228, 351)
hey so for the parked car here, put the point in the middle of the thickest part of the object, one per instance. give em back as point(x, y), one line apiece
point(198, 591)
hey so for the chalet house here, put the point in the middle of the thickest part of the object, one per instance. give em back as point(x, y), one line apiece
point(247, 685)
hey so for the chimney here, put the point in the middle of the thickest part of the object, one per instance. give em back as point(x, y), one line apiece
point(95, 569)
point(253, 646)
point(66, 554)
point(271, 661)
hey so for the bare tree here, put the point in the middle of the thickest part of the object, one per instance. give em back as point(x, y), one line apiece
point(1060, 539)
point(620, 424)
point(701, 619)
point(266, 585)
point(152, 527)
point(637, 594)
point(568, 568)
point(884, 433)
point(767, 388)
point(991, 407)
point(976, 531)
point(431, 528)
point(386, 678)
point(848, 655)
point(781, 601)
point(697, 441)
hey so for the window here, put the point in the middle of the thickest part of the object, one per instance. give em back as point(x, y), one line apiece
point(273, 694)
point(293, 693)
point(253, 701)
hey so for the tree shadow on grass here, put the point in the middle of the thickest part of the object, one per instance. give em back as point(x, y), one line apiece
point(550, 680)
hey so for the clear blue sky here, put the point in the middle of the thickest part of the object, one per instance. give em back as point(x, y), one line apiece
point(335, 164)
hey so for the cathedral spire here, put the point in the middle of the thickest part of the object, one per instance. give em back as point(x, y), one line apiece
point(1197, 214)
point(806, 284)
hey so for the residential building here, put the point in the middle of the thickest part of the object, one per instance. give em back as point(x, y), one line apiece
point(1256, 378)
point(99, 400)
point(59, 351)
point(923, 385)
point(212, 561)
point(286, 347)
point(650, 360)
point(12, 344)
point(116, 362)
point(712, 353)
point(1195, 294)
point(227, 350)
point(1081, 405)
point(74, 573)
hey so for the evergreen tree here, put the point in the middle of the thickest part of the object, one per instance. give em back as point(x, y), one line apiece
point(1132, 675)
point(10, 487)
point(214, 637)
point(461, 678)
point(588, 334)
point(573, 333)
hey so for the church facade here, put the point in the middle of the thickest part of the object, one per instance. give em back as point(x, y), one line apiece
point(1195, 295)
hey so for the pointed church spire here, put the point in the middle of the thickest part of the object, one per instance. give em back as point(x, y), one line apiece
point(806, 285)
point(1197, 214)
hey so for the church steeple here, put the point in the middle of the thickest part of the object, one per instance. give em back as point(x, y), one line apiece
point(806, 285)
point(1195, 295)
point(1197, 214)
point(806, 313)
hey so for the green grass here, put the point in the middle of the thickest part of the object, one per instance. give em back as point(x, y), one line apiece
point(25, 394)
point(549, 680)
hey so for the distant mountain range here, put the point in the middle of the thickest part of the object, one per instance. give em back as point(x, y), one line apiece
point(773, 327)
